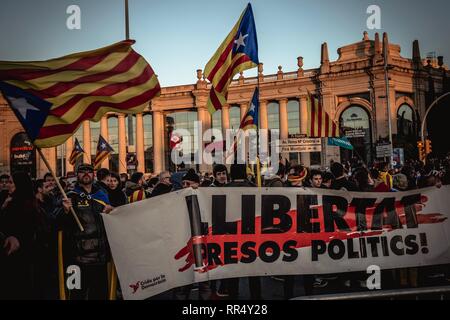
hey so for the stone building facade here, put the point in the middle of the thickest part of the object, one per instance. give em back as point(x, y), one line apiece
point(353, 90)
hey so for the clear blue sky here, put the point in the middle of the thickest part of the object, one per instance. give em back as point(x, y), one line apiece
point(179, 36)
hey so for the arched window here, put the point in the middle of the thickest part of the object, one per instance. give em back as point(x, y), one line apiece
point(293, 109)
point(406, 121)
point(293, 114)
point(134, 130)
point(355, 124)
point(217, 120)
point(113, 140)
point(273, 115)
point(95, 134)
point(79, 136)
point(148, 141)
point(235, 117)
point(180, 120)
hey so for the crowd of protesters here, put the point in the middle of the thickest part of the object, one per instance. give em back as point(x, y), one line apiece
point(32, 213)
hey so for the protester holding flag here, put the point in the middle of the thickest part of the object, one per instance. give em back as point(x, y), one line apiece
point(89, 249)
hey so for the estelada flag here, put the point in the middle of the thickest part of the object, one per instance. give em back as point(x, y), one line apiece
point(238, 52)
point(77, 152)
point(103, 150)
point(52, 98)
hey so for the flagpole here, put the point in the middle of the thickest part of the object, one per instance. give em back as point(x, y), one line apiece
point(60, 188)
point(258, 163)
point(127, 21)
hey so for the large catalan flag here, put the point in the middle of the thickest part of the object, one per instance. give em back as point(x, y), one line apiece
point(52, 98)
point(103, 150)
point(238, 52)
point(77, 152)
point(320, 124)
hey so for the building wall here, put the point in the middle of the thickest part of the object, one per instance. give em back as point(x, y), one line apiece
point(357, 77)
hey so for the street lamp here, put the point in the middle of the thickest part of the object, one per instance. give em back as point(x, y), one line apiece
point(426, 115)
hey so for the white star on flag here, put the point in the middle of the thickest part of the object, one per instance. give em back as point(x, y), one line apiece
point(22, 106)
point(103, 146)
point(240, 41)
point(252, 108)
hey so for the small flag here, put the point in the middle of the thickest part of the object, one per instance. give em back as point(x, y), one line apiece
point(175, 141)
point(77, 152)
point(320, 124)
point(238, 52)
point(52, 98)
point(103, 150)
point(249, 121)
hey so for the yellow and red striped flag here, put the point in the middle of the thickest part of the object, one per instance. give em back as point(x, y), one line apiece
point(238, 52)
point(52, 98)
point(320, 124)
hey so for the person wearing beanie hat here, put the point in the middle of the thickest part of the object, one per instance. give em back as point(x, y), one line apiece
point(190, 179)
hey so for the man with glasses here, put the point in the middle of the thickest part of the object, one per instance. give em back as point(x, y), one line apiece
point(164, 185)
point(89, 249)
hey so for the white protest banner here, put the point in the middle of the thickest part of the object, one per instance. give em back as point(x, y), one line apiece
point(214, 233)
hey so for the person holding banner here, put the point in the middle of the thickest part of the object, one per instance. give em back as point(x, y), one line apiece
point(192, 180)
point(220, 173)
point(89, 249)
point(238, 173)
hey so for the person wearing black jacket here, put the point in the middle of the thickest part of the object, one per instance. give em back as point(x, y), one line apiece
point(238, 173)
point(89, 249)
point(116, 195)
point(220, 174)
point(164, 186)
point(103, 176)
point(18, 221)
point(46, 254)
point(341, 182)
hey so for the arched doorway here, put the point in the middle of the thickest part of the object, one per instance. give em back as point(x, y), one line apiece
point(22, 154)
point(406, 137)
point(355, 124)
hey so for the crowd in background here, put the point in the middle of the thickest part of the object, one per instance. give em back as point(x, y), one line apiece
point(32, 213)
